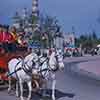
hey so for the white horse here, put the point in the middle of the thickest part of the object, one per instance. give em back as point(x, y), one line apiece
point(22, 70)
point(50, 66)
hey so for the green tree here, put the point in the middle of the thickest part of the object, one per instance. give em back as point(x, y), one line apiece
point(94, 36)
point(50, 26)
point(85, 41)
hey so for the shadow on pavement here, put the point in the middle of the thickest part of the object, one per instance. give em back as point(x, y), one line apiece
point(38, 95)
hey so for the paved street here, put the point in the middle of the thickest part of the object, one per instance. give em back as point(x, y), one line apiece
point(69, 82)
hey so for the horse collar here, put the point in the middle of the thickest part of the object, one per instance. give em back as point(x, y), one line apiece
point(28, 71)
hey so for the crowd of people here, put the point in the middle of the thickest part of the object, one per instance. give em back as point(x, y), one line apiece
point(10, 39)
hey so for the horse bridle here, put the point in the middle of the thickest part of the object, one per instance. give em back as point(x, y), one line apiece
point(48, 67)
point(28, 69)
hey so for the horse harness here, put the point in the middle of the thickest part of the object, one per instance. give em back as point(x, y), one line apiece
point(28, 70)
point(48, 67)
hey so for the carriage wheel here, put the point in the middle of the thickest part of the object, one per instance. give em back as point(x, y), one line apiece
point(37, 82)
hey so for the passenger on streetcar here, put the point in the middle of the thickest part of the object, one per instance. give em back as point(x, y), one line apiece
point(6, 39)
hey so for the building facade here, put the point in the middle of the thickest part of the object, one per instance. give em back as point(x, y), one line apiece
point(25, 19)
point(69, 39)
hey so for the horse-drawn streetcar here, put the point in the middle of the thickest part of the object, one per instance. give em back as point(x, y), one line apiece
point(24, 69)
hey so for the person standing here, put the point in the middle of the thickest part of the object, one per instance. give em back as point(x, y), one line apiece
point(14, 43)
point(13, 32)
point(7, 39)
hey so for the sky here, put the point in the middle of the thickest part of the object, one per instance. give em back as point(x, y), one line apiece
point(82, 14)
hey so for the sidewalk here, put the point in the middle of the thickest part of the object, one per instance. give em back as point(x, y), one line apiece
point(87, 65)
point(91, 68)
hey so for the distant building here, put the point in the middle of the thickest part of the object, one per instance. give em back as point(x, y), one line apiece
point(16, 20)
point(59, 41)
point(25, 19)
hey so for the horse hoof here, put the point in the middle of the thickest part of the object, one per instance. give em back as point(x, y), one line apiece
point(17, 95)
point(53, 98)
point(9, 91)
point(28, 99)
point(21, 98)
